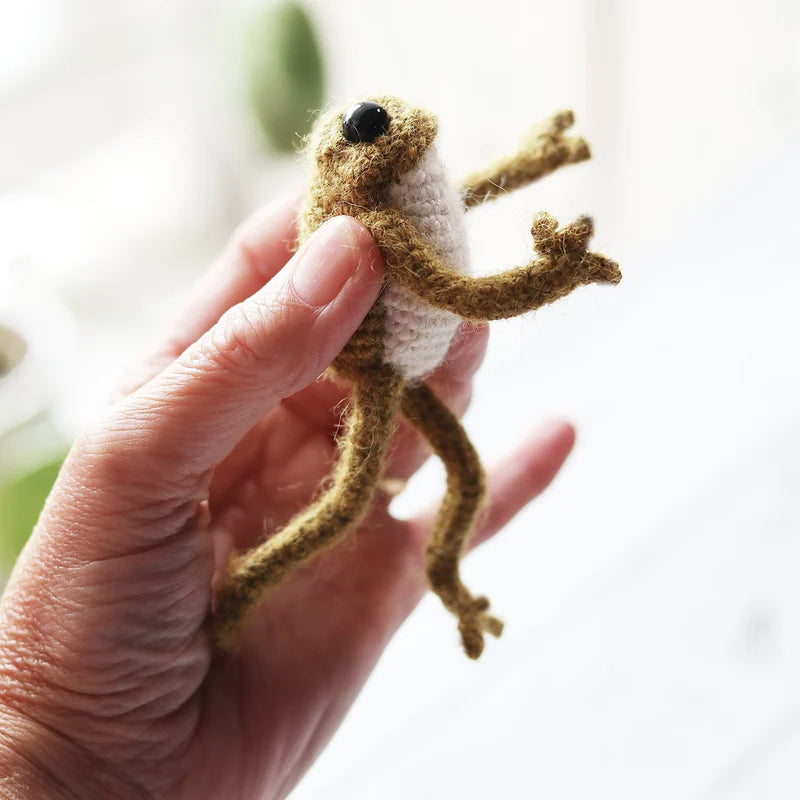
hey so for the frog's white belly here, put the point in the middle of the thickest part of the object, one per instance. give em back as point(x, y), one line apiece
point(418, 334)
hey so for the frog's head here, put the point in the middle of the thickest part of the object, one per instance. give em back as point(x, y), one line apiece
point(359, 151)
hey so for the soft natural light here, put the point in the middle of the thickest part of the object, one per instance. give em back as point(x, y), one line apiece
point(26, 30)
point(651, 597)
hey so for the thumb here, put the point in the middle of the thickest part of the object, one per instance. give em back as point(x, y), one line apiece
point(268, 347)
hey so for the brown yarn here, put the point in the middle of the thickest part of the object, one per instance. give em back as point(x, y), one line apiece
point(466, 488)
point(353, 178)
point(339, 509)
point(563, 265)
point(544, 150)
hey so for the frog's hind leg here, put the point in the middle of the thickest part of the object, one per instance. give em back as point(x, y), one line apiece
point(362, 449)
point(466, 488)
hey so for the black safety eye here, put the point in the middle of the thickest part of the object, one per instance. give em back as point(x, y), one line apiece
point(364, 122)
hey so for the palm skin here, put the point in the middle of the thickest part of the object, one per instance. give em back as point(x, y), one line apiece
point(108, 682)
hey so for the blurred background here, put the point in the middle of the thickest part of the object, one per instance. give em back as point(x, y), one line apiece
point(652, 646)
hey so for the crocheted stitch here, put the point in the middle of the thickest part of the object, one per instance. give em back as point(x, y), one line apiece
point(418, 334)
point(395, 185)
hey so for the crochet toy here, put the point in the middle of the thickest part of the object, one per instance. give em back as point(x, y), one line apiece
point(377, 161)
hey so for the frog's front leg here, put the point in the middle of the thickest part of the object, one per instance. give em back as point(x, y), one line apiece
point(562, 264)
point(543, 151)
point(567, 261)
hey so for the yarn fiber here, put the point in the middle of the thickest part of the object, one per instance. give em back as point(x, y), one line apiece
point(418, 334)
point(396, 186)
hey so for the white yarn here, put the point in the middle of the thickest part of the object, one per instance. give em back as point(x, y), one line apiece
point(418, 334)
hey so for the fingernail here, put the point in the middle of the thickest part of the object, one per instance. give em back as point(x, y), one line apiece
point(326, 262)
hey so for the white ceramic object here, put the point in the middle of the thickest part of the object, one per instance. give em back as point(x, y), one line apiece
point(37, 338)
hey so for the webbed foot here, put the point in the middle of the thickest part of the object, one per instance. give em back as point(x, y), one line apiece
point(548, 139)
point(568, 247)
point(473, 622)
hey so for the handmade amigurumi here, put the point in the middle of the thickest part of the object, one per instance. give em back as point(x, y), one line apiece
point(377, 161)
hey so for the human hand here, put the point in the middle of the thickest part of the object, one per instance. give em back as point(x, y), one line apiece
point(109, 686)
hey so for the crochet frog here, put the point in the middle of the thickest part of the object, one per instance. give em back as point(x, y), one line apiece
point(378, 162)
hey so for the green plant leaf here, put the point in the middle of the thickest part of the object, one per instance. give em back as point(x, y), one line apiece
point(21, 502)
point(284, 73)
